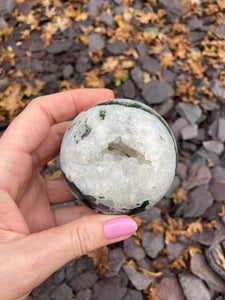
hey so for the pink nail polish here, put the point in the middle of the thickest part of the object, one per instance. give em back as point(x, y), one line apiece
point(119, 227)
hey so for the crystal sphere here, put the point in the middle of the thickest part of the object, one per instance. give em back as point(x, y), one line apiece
point(119, 157)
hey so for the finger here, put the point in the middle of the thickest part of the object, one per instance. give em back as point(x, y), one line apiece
point(33, 125)
point(64, 215)
point(58, 191)
point(51, 146)
point(47, 251)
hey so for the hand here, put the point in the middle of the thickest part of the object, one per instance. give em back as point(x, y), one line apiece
point(34, 239)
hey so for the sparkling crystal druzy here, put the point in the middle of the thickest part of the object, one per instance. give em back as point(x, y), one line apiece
point(119, 157)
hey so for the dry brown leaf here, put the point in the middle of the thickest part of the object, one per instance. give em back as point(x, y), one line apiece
point(180, 264)
point(110, 64)
point(48, 31)
point(5, 33)
point(179, 195)
point(100, 259)
point(92, 80)
point(193, 250)
point(9, 55)
point(222, 213)
point(145, 272)
point(221, 260)
point(132, 52)
point(194, 227)
point(31, 19)
point(50, 176)
point(127, 64)
point(167, 60)
point(97, 56)
point(150, 292)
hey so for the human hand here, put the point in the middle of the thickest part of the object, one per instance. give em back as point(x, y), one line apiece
point(35, 240)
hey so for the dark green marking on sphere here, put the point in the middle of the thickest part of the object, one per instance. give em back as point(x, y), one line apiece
point(102, 114)
point(90, 202)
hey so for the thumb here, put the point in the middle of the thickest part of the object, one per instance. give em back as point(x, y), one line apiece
point(48, 250)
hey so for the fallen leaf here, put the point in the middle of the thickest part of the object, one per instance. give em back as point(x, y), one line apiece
point(92, 80)
point(221, 260)
point(179, 195)
point(9, 55)
point(100, 259)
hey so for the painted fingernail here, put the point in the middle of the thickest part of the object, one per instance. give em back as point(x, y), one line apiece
point(119, 227)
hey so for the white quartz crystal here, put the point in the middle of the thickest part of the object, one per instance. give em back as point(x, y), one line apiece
point(120, 155)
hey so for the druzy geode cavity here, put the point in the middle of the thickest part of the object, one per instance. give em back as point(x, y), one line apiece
point(119, 157)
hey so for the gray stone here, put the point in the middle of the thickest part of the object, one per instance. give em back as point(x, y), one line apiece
point(101, 292)
point(152, 245)
point(217, 189)
point(24, 8)
point(218, 173)
point(129, 90)
point(165, 107)
point(93, 7)
point(155, 92)
point(173, 8)
point(193, 287)
point(57, 47)
point(140, 281)
point(209, 236)
point(196, 37)
point(169, 289)
point(6, 8)
point(83, 64)
point(132, 250)
point(194, 23)
point(62, 292)
point(201, 269)
point(217, 89)
point(198, 201)
point(152, 213)
point(220, 30)
point(117, 48)
point(84, 295)
point(189, 132)
point(116, 259)
point(95, 42)
point(181, 171)
point(142, 49)
point(213, 128)
point(4, 84)
point(176, 183)
point(209, 106)
point(149, 64)
point(133, 295)
point(221, 130)
point(178, 125)
point(175, 250)
point(213, 259)
point(83, 281)
point(137, 76)
point(106, 19)
point(191, 112)
point(169, 77)
point(214, 146)
point(68, 71)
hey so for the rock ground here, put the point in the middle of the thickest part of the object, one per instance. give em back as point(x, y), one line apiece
point(169, 55)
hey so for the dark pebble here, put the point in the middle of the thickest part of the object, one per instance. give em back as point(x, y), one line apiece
point(169, 289)
point(155, 92)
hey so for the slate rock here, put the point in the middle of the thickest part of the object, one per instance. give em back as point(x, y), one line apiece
point(221, 130)
point(214, 146)
point(44, 290)
point(173, 8)
point(116, 48)
point(198, 175)
point(178, 125)
point(139, 281)
point(209, 236)
point(116, 259)
point(155, 92)
point(132, 250)
point(198, 201)
point(217, 189)
point(24, 8)
point(208, 155)
point(84, 295)
point(169, 289)
point(79, 266)
point(149, 64)
point(106, 19)
point(62, 292)
point(196, 37)
point(142, 49)
point(101, 292)
point(191, 112)
point(169, 77)
point(220, 30)
point(189, 132)
point(217, 89)
point(193, 287)
point(129, 90)
point(93, 7)
point(83, 281)
point(201, 269)
point(218, 173)
point(4, 84)
point(176, 183)
point(165, 107)
point(137, 76)
point(133, 295)
point(213, 259)
point(151, 213)
point(95, 42)
point(57, 47)
point(152, 245)
point(194, 23)
point(6, 8)
point(175, 250)
point(83, 64)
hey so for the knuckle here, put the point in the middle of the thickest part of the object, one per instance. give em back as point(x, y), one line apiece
point(81, 240)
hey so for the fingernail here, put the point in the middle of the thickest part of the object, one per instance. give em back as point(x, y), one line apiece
point(119, 227)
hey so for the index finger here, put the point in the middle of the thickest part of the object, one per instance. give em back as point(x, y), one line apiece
point(32, 126)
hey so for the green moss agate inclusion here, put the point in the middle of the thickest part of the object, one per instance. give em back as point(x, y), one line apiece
point(106, 157)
